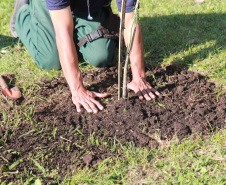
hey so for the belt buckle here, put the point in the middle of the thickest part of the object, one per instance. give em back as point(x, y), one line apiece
point(94, 35)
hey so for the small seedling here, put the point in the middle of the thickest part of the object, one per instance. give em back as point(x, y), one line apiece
point(161, 105)
point(121, 31)
point(144, 127)
point(79, 132)
point(129, 47)
point(54, 132)
point(210, 125)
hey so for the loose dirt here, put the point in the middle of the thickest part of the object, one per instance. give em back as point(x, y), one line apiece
point(52, 134)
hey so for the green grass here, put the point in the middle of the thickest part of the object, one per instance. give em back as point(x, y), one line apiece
point(168, 28)
point(195, 161)
point(170, 25)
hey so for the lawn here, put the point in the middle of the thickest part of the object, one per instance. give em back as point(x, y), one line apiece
point(42, 140)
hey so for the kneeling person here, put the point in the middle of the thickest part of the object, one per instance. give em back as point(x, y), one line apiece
point(48, 27)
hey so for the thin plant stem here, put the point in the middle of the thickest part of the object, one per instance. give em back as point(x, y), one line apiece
point(121, 33)
point(125, 75)
point(129, 49)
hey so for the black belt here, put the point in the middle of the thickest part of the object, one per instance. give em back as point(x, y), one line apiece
point(92, 36)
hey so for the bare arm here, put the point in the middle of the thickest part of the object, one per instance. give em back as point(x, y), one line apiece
point(138, 84)
point(63, 25)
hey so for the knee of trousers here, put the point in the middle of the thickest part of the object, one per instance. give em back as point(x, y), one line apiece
point(48, 61)
point(100, 56)
point(101, 59)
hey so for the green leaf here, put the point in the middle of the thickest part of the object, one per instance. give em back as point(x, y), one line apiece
point(38, 182)
point(161, 105)
point(4, 169)
point(203, 170)
point(29, 181)
point(4, 115)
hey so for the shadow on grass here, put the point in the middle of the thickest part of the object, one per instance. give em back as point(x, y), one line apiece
point(7, 41)
point(187, 37)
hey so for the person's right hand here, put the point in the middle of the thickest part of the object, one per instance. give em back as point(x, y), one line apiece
point(85, 98)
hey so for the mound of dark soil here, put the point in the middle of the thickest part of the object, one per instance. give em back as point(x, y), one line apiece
point(57, 137)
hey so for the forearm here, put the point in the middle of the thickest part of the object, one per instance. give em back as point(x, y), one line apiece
point(137, 53)
point(63, 25)
point(69, 62)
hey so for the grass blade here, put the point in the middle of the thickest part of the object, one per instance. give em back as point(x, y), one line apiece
point(15, 164)
point(39, 166)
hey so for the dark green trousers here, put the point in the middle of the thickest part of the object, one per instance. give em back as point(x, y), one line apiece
point(35, 29)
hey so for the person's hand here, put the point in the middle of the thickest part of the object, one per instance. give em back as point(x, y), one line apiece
point(143, 89)
point(85, 98)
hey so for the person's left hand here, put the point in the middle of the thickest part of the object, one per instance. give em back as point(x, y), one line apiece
point(142, 89)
